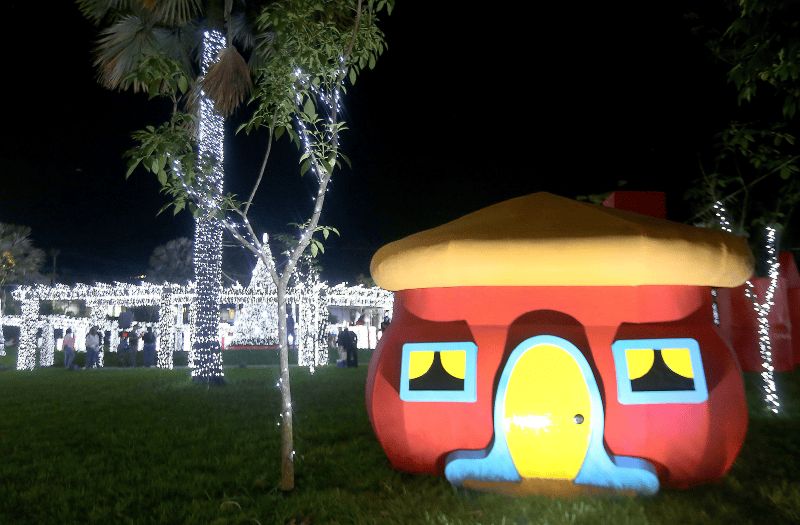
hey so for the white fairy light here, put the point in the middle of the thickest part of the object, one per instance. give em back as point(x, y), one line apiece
point(308, 294)
point(26, 352)
point(206, 359)
point(48, 345)
point(762, 310)
point(715, 306)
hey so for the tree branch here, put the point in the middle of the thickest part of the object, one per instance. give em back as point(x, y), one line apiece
point(263, 165)
point(355, 32)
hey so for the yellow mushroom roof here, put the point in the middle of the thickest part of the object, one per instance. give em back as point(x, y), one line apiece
point(546, 240)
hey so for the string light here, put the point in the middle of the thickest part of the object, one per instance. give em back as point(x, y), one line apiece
point(26, 354)
point(715, 306)
point(308, 293)
point(206, 356)
point(762, 309)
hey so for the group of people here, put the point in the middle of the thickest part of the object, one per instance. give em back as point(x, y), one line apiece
point(129, 346)
point(348, 344)
point(129, 342)
point(93, 341)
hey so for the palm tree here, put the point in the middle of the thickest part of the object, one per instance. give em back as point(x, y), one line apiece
point(137, 30)
point(20, 261)
point(172, 262)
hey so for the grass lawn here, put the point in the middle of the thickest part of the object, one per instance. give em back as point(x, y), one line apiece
point(148, 446)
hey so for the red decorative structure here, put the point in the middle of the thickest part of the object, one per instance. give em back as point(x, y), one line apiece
point(666, 441)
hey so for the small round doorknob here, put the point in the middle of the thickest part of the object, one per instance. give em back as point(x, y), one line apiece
point(578, 419)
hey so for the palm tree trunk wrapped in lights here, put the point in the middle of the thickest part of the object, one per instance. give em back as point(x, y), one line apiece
point(206, 356)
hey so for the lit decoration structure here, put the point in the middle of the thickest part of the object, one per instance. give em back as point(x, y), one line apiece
point(761, 309)
point(257, 323)
point(548, 346)
point(311, 297)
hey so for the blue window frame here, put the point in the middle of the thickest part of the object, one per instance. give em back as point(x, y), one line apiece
point(655, 371)
point(439, 372)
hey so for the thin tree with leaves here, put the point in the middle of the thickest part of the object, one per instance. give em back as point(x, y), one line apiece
point(756, 166)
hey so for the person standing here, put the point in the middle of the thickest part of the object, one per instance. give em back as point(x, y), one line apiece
point(347, 339)
point(149, 340)
point(92, 348)
point(133, 345)
point(68, 345)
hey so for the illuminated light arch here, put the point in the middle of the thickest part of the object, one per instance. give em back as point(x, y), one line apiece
point(312, 297)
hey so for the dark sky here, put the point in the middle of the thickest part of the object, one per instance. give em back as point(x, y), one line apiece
point(467, 108)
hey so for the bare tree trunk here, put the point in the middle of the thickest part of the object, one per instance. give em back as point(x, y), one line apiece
point(287, 433)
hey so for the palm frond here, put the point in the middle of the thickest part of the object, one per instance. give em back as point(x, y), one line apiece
point(242, 30)
point(97, 10)
point(180, 43)
point(120, 50)
point(264, 48)
point(174, 12)
point(228, 81)
point(191, 103)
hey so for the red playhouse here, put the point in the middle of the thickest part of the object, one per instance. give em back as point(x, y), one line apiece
point(548, 346)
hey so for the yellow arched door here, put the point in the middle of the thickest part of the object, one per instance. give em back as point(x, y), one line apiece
point(547, 413)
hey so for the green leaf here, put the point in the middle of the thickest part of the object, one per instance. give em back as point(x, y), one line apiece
point(164, 207)
point(313, 250)
point(309, 109)
point(179, 206)
point(279, 132)
point(183, 84)
point(786, 172)
point(352, 76)
point(132, 166)
point(162, 177)
point(304, 168)
point(152, 89)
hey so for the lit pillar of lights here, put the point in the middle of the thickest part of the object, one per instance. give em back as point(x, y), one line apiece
point(47, 351)
point(26, 351)
point(113, 342)
point(97, 317)
point(206, 362)
point(165, 335)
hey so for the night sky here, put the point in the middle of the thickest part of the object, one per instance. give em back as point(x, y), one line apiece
point(467, 108)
